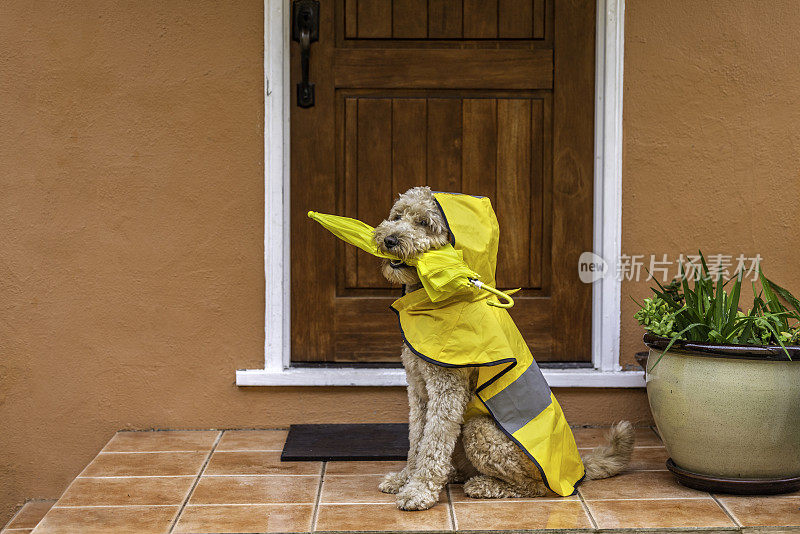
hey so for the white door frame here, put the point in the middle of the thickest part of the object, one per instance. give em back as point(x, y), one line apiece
point(606, 292)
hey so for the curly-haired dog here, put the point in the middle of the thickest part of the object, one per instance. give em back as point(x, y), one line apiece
point(441, 448)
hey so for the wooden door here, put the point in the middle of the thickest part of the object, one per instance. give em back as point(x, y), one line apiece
point(486, 97)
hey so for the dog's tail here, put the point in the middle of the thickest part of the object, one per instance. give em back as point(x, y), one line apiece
point(609, 460)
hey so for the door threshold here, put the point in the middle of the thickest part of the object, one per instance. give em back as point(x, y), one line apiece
point(376, 376)
point(398, 365)
point(346, 365)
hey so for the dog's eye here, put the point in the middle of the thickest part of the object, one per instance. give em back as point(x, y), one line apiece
point(396, 217)
point(423, 222)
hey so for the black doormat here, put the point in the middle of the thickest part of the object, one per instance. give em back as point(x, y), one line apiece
point(385, 441)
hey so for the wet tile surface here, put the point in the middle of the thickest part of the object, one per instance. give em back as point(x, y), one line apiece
point(363, 468)
point(638, 485)
point(188, 440)
point(659, 513)
point(101, 520)
point(771, 511)
point(504, 515)
point(649, 458)
point(255, 490)
point(381, 518)
point(127, 491)
point(246, 518)
point(257, 463)
point(234, 482)
point(146, 464)
point(252, 440)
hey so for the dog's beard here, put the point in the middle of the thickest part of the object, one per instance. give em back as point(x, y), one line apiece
point(409, 247)
point(399, 273)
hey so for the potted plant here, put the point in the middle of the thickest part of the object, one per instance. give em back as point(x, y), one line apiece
point(724, 384)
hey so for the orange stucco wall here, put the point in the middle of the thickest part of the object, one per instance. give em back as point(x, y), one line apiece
point(711, 137)
point(131, 213)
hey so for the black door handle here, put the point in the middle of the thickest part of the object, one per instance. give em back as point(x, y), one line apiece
point(305, 30)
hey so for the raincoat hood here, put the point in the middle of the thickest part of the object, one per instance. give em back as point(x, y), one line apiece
point(474, 231)
point(453, 327)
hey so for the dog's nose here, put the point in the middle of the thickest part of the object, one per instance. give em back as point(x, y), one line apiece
point(391, 241)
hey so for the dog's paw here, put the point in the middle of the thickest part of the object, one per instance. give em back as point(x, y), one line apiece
point(392, 483)
point(416, 497)
point(486, 487)
point(481, 487)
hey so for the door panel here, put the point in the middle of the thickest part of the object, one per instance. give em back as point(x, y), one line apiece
point(444, 19)
point(491, 98)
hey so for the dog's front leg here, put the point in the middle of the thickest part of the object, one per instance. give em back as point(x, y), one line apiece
point(448, 394)
point(417, 402)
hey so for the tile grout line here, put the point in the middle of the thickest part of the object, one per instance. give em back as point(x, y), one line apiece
point(137, 476)
point(250, 450)
point(134, 431)
point(208, 476)
point(315, 513)
point(647, 471)
point(635, 447)
point(451, 504)
point(65, 506)
point(729, 513)
point(587, 511)
point(336, 475)
point(197, 505)
point(259, 475)
point(197, 481)
point(184, 451)
point(700, 498)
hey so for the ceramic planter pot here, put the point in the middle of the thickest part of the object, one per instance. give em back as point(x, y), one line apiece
point(729, 415)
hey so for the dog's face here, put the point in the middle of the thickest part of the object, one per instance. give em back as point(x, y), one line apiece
point(415, 225)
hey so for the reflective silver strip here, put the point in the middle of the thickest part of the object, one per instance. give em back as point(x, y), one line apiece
point(522, 400)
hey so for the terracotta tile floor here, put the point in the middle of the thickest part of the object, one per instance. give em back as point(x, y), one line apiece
point(234, 482)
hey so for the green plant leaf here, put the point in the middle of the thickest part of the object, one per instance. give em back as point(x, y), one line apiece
point(781, 292)
point(733, 307)
point(773, 302)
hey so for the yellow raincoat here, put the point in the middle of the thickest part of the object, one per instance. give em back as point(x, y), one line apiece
point(455, 328)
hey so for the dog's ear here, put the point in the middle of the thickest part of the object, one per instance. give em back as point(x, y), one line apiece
point(437, 223)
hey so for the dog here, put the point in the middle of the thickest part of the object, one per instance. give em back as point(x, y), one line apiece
point(442, 448)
